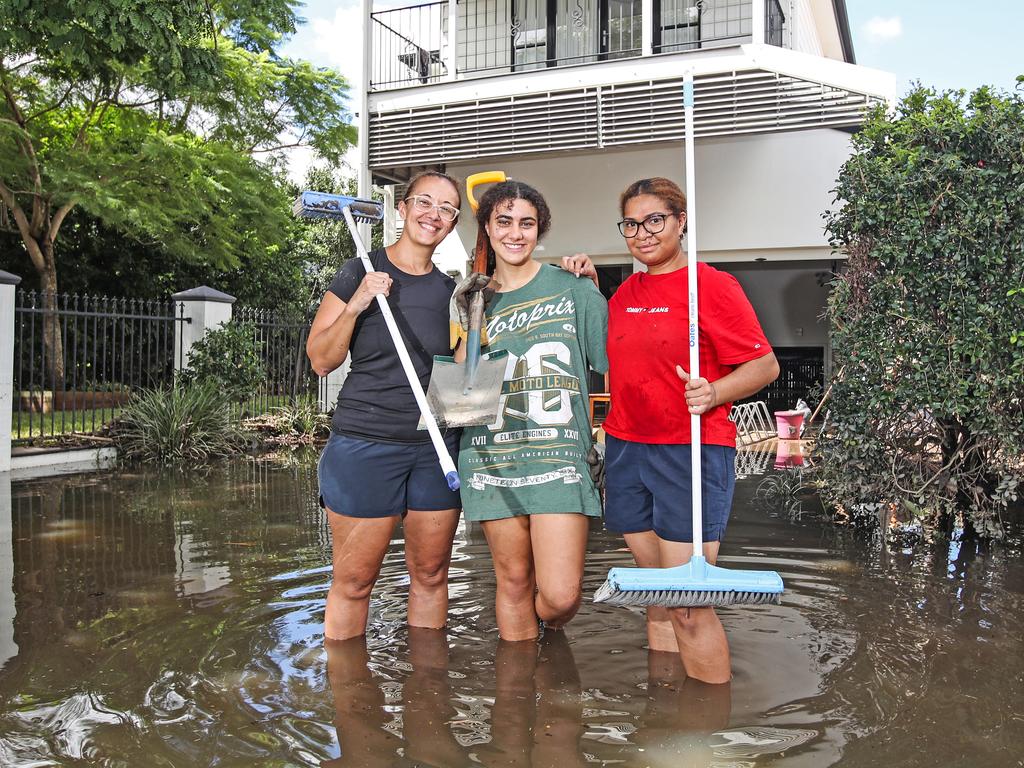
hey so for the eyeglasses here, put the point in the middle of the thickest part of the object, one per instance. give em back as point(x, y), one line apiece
point(654, 224)
point(424, 204)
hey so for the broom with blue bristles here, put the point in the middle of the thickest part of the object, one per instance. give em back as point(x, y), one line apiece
point(696, 583)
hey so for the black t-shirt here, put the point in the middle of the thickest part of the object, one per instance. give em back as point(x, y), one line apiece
point(376, 402)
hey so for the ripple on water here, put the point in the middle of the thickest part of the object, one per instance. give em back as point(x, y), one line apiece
point(868, 654)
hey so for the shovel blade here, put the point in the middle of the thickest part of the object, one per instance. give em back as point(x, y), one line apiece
point(453, 405)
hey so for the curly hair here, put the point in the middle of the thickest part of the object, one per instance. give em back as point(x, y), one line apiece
point(509, 192)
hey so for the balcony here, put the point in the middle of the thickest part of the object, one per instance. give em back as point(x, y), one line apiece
point(411, 46)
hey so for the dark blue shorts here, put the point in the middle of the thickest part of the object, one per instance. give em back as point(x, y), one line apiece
point(647, 488)
point(363, 478)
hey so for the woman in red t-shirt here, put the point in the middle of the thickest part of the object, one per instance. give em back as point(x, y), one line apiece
point(652, 396)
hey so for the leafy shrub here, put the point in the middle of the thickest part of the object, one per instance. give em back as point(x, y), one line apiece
point(303, 417)
point(927, 422)
point(228, 357)
point(299, 422)
point(185, 425)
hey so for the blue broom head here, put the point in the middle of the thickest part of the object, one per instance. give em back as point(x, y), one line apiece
point(322, 205)
point(695, 584)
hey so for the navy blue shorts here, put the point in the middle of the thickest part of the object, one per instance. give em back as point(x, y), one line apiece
point(647, 488)
point(363, 478)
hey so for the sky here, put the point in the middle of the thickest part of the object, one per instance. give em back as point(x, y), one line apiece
point(941, 43)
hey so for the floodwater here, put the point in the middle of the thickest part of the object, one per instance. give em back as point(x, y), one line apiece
point(154, 620)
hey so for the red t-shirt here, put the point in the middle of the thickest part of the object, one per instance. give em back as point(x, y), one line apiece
point(648, 325)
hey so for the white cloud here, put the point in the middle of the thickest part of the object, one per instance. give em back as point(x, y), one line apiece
point(337, 42)
point(879, 28)
point(334, 42)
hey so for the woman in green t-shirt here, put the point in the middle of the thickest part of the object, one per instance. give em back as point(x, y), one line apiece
point(525, 477)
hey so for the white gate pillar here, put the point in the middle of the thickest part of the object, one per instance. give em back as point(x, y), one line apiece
point(8, 284)
point(202, 309)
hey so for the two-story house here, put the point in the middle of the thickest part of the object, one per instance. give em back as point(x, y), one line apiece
point(581, 97)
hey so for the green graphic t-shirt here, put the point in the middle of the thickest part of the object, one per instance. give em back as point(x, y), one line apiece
point(532, 459)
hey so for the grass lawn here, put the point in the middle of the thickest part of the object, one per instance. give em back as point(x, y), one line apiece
point(26, 426)
point(30, 426)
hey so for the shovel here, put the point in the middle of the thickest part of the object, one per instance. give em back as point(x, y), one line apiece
point(467, 395)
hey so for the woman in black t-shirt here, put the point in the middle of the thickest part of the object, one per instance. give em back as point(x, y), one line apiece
point(377, 466)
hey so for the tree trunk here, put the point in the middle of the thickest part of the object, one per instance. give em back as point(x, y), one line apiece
point(53, 341)
point(950, 430)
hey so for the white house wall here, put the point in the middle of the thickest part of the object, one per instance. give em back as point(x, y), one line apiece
point(803, 29)
point(757, 196)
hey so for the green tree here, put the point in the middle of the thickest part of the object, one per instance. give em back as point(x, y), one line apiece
point(927, 421)
point(159, 118)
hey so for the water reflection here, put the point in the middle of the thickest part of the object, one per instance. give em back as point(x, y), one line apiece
point(139, 611)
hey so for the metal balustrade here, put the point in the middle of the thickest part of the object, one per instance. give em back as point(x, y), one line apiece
point(411, 45)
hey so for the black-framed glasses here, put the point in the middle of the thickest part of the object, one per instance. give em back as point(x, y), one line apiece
point(424, 204)
point(654, 223)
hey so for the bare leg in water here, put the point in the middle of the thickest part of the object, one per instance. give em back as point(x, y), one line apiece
point(359, 713)
point(427, 702)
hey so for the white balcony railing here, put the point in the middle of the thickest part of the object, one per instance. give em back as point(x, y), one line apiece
point(413, 45)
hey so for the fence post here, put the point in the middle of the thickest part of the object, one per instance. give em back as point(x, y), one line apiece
point(8, 284)
point(203, 309)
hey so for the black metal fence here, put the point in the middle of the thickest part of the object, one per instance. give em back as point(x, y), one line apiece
point(78, 358)
point(281, 343)
point(801, 373)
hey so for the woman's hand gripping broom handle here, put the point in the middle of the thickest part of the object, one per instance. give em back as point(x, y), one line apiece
point(447, 465)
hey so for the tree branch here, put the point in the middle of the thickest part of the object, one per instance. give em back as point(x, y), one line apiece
point(58, 219)
point(87, 120)
point(57, 105)
point(24, 228)
point(183, 120)
point(25, 145)
point(254, 150)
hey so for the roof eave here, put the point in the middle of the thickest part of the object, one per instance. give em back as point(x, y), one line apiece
point(843, 24)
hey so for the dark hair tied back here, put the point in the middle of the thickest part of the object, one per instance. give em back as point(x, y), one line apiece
point(658, 186)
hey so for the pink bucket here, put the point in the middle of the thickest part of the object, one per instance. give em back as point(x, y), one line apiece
point(790, 453)
point(788, 424)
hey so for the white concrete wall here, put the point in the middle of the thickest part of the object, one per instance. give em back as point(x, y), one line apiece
point(757, 196)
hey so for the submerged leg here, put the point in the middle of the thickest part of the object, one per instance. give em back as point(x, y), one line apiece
point(647, 554)
point(702, 642)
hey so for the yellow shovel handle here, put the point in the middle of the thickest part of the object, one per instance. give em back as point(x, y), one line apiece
point(486, 177)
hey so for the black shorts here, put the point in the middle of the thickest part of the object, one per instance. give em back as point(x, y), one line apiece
point(363, 478)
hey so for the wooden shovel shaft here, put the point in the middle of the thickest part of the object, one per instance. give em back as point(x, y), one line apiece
point(476, 321)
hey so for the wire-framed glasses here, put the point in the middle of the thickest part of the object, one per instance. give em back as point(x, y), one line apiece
point(423, 204)
point(654, 224)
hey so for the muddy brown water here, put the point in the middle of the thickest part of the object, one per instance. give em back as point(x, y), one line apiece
point(176, 621)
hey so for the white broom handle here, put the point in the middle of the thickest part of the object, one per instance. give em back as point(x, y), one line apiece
point(447, 465)
point(691, 286)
